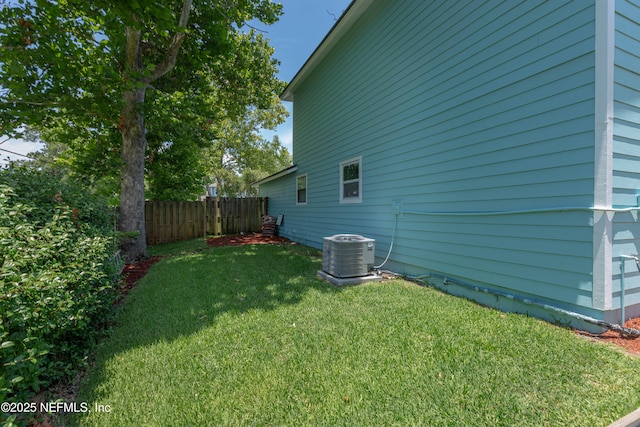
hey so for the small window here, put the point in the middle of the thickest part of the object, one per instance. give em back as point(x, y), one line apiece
point(301, 190)
point(351, 181)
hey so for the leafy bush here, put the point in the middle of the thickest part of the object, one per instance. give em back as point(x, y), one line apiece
point(58, 280)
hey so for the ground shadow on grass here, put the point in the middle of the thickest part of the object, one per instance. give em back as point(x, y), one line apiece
point(187, 291)
point(184, 293)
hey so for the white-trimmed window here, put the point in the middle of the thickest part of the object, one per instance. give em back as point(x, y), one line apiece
point(301, 189)
point(351, 180)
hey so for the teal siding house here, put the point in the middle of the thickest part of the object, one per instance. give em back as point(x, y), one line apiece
point(491, 148)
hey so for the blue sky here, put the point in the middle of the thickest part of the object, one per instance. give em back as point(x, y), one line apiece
point(300, 29)
point(295, 36)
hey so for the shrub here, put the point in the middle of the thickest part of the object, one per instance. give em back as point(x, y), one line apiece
point(58, 281)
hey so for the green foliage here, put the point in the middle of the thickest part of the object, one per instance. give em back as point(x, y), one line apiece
point(58, 278)
point(241, 156)
point(222, 139)
point(54, 65)
point(177, 172)
point(65, 72)
point(80, 72)
point(81, 151)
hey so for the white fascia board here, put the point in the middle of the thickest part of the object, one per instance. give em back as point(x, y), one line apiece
point(355, 9)
point(280, 174)
point(602, 297)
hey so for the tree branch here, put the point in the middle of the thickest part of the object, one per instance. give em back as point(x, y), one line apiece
point(184, 16)
point(132, 53)
point(169, 60)
point(34, 104)
point(244, 23)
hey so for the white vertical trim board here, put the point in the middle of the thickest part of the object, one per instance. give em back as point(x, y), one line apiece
point(603, 162)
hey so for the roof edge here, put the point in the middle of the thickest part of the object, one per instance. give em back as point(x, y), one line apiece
point(277, 175)
point(351, 14)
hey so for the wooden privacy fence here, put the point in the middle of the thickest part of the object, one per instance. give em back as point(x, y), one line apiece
point(173, 221)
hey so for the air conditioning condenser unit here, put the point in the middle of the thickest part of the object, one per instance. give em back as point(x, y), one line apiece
point(348, 255)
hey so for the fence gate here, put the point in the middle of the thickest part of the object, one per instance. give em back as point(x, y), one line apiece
point(174, 221)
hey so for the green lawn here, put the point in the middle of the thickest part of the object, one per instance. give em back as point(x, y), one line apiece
point(249, 336)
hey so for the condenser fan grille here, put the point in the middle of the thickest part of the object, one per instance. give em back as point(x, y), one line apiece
point(348, 255)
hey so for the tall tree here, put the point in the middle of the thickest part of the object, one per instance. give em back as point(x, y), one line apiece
point(93, 64)
point(180, 170)
point(242, 156)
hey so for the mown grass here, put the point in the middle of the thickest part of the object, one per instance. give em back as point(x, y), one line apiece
point(249, 336)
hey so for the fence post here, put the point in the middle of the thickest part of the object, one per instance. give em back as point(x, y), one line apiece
point(218, 215)
point(204, 218)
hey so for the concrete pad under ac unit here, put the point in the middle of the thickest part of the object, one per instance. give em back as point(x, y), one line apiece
point(342, 281)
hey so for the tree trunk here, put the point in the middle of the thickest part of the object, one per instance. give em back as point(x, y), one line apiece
point(134, 146)
point(134, 139)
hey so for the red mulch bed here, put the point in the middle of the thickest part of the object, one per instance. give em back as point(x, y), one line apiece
point(134, 272)
point(246, 239)
point(630, 344)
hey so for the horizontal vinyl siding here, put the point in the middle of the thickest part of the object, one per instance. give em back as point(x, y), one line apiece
point(460, 106)
point(281, 195)
point(626, 146)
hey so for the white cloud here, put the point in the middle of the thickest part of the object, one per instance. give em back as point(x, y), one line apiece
point(286, 138)
point(285, 130)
